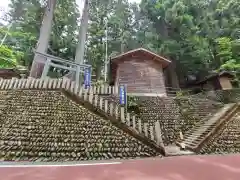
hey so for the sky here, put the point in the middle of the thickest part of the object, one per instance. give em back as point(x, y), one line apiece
point(4, 6)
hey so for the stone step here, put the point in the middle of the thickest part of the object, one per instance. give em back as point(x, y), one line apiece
point(192, 146)
point(193, 139)
point(190, 143)
point(198, 134)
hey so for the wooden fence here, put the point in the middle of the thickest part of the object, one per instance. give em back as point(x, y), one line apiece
point(49, 83)
point(90, 95)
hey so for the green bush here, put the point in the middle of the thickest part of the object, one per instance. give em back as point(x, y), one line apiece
point(132, 104)
point(7, 57)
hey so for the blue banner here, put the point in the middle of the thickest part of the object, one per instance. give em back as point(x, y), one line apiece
point(87, 78)
point(122, 95)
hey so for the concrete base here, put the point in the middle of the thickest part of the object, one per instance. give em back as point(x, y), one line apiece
point(173, 150)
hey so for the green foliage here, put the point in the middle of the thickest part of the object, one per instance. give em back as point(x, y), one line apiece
point(179, 94)
point(7, 57)
point(26, 18)
point(198, 36)
point(98, 83)
point(229, 61)
point(231, 65)
point(21, 44)
point(133, 105)
point(224, 50)
point(132, 100)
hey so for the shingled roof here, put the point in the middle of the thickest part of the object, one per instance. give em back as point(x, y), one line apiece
point(8, 73)
point(141, 51)
point(215, 75)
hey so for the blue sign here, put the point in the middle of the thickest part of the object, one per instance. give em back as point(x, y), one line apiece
point(87, 78)
point(122, 95)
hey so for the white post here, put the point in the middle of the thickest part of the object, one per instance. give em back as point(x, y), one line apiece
point(101, 103)
point(80, 94)
point(145, 126)
point(111, 108)
point(158, 134)
point(128, 119)
point(152, 133)
point(140, 125)
point(134, 122)
point(122, 114)
point(46, 68)
point(11, 83)
point(1, 82)
point(106, 106)
point(95, 100)
point(90, 98)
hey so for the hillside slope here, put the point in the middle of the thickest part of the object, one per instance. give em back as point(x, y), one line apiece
point(41, 125)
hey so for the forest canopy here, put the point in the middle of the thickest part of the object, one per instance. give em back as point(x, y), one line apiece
point(198, 36)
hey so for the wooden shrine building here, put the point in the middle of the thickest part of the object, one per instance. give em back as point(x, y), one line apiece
point(141, 71)
point(218, 81)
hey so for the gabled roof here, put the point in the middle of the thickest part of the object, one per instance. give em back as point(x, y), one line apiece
point(154, 56)
point(215, 75)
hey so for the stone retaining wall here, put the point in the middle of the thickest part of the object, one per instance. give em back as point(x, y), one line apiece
point(223, 96)
point(175, 114)
point(44, 125)
point(226, 140)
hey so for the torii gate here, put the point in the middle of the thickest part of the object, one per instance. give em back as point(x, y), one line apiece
point(45, 32)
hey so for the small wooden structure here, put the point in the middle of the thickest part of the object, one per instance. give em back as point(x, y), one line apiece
point(141, 71)
point(9, 73)
point(218, 81)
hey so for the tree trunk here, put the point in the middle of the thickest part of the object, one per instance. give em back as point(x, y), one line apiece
point(173, 75)
point(79, 56)
point(172, 78)
point(98, 73)
point(43, 40)
point(122, 47)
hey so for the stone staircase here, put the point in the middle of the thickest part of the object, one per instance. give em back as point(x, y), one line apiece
point(201, 133)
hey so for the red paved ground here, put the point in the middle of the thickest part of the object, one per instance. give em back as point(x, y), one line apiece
point(174, 168)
